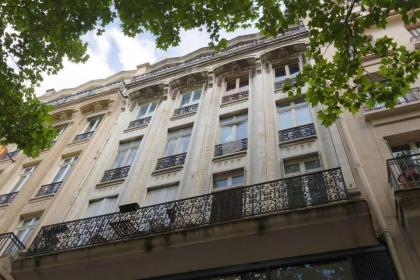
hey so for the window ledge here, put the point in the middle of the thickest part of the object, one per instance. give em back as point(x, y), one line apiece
point(298, 141)
point(110, 183)
point(234, 102)
point(183, 116)
point(229, 156)
point(135, 128)
point(4, 205)
point(167, 170)
point(42, 197)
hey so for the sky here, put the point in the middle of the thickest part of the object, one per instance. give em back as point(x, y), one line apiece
point(113, 52)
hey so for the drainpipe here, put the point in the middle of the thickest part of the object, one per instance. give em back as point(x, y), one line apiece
point(374, 204)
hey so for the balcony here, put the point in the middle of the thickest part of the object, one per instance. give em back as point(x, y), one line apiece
point(139, 122)
point(278, 85)
point(297, 133)
point(228, 205)
point(115, 174)
point(49, 189)
point(185, 110)
point(7, 198)
point(83, 136)
point(171, 161)
point(10, 245)
point(231, 147)
point(404, 172)
point(241, 95)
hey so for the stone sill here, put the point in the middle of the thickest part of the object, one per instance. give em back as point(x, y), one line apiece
point(229, 156)
point(234, 102)
point(42, 197)
point(298, 141)
point(183, 116)
point(110, 183)
point(5, 205)
point(167, 170)
point(135, 128)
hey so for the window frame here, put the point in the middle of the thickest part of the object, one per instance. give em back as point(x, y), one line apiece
point(191, 100)
point(97, 119)
point(148, 113)
point(286, 68)
point(101, 208)
point(292, 107)
point(60, 130)
point(160, 188)
point(18, 185)
point(228, 175)
point(301, 160)
point(234, 123)
point(130, 152)
point(178, 135)
point(238, 87)
point(26, 229)
point(67, 168)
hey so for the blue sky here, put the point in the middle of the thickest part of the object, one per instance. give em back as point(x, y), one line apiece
point(113, 52)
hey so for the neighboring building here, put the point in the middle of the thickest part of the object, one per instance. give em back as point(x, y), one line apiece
point(201, 167)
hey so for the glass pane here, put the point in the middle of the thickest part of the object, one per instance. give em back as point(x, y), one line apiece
point(94, 208)
point(142, 111)
point(230, 85)
point(312, 164)
point(130, 157)
point(294, 69)
point(185, 100)
point(303, 115)
point(243, 82)
point(280, 74)
point(161, 195)
point(152, 107)
point(170, 147)
point(242, 131)
point(291, 168)
point(197, 95)
point(61, 173)
point(119, 160)
point(238, 180)
point(226, 134)
point(184, 144)
point(108, 205)
point(220, 183)
point(286, 120)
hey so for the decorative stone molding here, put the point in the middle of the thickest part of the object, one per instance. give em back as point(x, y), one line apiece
point(150, 92)
point(188, 82)
point(64, 115)
point(96, 106)
point(234, 69)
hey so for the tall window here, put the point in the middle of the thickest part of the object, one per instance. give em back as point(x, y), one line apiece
point(24, 177)
point(64, 169)
point(93, 123)
point(146, 110)
point(101, 206)
point(302, 165)
point(25, 229)
point(178, 141)
point(237, 84)
point(60, 131)
point(161, 195)
point(294, 114)
point(231, 179)
point(190, 98)
point(287, 71)
point(233, 128)
point(126, 153)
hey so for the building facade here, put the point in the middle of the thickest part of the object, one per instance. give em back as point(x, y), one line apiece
point(201, 167)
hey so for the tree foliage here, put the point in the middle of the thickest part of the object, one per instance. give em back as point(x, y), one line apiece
point(36, 35)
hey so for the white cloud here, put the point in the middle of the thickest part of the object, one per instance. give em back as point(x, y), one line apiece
point(132, 51)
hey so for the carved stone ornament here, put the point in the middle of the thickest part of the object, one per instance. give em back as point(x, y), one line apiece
point(149, 93)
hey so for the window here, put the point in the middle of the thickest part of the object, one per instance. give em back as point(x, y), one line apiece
point(161, 195)
point(126, 153)
point(25, 229)
point(297, 113)
point(101, 206)
point(92, 124)
point(405, 149)
point(178, 141)
point(190, 98)
point(231, 179)
point(281, 72)
point(60, 131)
point(236, 85)
point(302, 165)
point(233, 128)
point(64, 169)
point(24, 177)
point(146, 110)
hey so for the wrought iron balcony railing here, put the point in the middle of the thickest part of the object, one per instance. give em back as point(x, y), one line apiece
point(49, 189)
point(231, 147)
point(139, 122)
point(186, 110)
point(117, 173)
point(228, 205)
point(235, 96)
point(83, 136)
point(278, 86)
point(10, 245)
point(7, 198)
point(404, 171)
point(297, 132)
point(411, 96)
point(171, 161)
